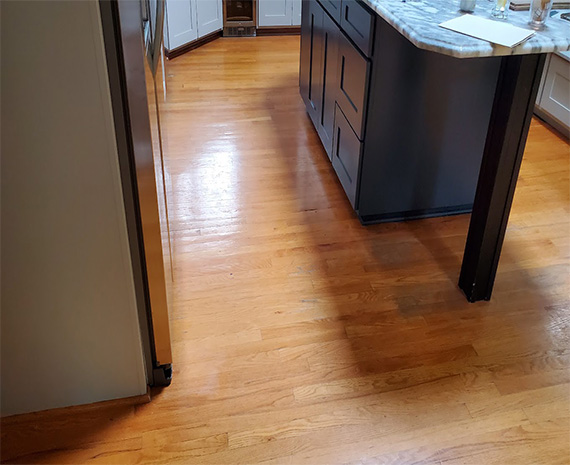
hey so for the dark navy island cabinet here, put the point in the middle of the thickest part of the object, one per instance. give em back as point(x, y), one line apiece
point(404, 128)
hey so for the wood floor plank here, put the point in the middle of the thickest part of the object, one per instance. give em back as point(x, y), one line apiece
point(483, 407)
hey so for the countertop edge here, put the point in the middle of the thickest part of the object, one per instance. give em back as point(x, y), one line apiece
point(480, 50)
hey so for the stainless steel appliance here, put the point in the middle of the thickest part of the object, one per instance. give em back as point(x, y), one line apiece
point(240, 18)
point(133, 32)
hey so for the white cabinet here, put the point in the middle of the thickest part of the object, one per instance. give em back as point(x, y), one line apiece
point(275, 12)
point(181, 24)
point(296, 18)
point(279, 12)
point(188, 20)
point(210, 16)
point(553, 101)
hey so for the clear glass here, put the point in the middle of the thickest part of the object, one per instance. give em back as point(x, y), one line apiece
point(539, 12)
point(501, 9)
point(467, 5)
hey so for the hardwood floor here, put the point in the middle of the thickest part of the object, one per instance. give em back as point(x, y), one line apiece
point(302, 337)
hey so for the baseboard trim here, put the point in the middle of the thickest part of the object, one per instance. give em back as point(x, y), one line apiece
point(554, 123)
point(77, 409)
point(170, 54)
point(261, 31)
point(279, 30)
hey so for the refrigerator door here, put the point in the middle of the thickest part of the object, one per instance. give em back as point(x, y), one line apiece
point(159, 266)
point(140, 25)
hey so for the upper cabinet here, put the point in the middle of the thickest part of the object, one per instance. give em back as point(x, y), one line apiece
point(188, 20)
point(279, 12)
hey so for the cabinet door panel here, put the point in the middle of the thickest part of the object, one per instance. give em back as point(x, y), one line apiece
point(181, 22)
point(346, 156)
point(305, 55)
point(329, 80)
point(275, 12)
point(555, 97)
point(352, 84)
point(310, 75)
point(209, 14)
point(296, 17)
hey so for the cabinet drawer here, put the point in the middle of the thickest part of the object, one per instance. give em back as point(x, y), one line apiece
point(352, 80)
point(346, 156)
point(333, 7)
point(358, 23)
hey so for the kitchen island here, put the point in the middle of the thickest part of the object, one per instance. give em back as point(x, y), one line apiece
point(420, 121)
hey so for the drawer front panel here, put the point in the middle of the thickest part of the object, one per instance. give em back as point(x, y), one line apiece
point(333, 7)
point(346, 156)
point(352, 90)
point(358, 23)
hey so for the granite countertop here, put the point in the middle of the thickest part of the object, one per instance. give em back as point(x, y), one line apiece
point(418, 20)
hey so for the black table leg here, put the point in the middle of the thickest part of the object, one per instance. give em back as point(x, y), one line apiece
point(517, 86)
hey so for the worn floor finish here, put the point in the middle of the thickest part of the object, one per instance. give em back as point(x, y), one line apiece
point(301, 337)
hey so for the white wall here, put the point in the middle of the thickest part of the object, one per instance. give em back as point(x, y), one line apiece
point(69, 331)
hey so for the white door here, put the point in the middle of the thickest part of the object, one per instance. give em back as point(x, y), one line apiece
point(296, 18)
point(209, 14)
point(275, 12)
point(180, 22)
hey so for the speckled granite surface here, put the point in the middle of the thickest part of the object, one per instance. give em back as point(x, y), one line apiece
point(418, 21)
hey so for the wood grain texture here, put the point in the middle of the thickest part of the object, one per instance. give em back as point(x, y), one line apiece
point(302, 337)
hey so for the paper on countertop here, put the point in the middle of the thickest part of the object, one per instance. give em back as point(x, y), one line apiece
point(498, 32)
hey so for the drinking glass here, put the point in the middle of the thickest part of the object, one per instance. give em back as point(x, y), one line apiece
point(501, 9)
point(467, 5)
point(539, 12)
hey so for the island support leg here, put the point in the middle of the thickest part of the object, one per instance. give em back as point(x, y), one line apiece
point(513, 106)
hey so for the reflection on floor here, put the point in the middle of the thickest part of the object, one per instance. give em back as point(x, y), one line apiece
point(300, 336)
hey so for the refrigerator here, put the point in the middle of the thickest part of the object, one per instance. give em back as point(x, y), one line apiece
point(133, 36)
